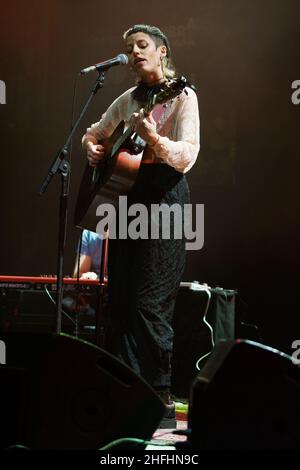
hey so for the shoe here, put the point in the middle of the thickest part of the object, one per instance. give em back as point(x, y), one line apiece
point(169, 419)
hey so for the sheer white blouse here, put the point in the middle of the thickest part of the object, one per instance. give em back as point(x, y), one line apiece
point(178, 127)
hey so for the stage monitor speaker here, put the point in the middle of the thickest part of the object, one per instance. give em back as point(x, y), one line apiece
point(192, 337)
point(246, 397)
point(75, 395)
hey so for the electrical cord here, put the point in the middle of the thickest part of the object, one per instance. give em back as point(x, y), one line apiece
point(133, 440)
point(207, 291)
point(73, 112)
point(65, 313)
point(78, 257)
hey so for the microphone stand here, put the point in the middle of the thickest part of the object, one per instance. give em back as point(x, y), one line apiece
point(62, 166)
point(101, 320)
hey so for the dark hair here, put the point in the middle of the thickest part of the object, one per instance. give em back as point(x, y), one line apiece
point(160, 39)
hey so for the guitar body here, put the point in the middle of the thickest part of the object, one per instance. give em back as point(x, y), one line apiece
point(114, 176)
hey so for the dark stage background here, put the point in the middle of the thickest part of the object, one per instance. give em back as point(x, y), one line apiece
point(243, 57)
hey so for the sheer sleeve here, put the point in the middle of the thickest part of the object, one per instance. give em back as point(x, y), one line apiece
point(118, 111)
point(180, 148)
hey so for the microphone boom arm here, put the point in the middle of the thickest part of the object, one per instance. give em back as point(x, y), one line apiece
point(121, 59)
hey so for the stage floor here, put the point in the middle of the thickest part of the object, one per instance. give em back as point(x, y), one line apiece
point(166, 436)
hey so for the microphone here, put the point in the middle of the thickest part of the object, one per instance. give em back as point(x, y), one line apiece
point(121, 59)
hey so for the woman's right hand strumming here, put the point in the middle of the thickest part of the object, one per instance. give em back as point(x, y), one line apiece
point(95, 152)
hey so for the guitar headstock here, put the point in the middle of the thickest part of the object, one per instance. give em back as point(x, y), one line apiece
point(170, 89)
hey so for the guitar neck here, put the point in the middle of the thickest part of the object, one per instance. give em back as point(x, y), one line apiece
point(156, 99)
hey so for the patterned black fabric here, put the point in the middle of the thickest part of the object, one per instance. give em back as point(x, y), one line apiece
point(143, 93)
point(144, 277)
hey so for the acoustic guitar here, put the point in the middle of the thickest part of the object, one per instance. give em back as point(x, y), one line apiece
point(116, 172)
